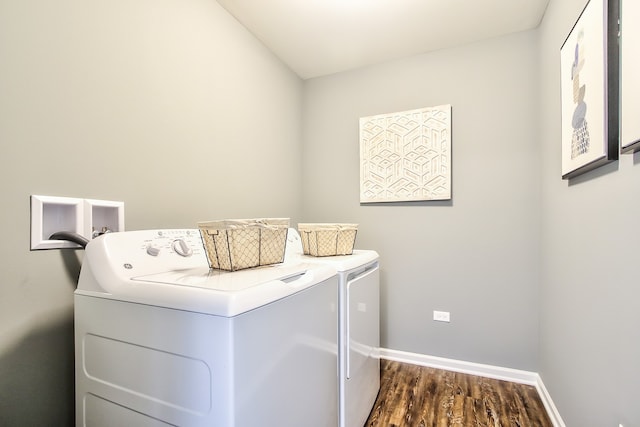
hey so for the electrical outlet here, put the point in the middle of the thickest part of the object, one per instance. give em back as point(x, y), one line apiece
point(441, 316)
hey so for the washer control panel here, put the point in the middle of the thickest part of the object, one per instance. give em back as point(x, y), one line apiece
point(184, 243)
point(135, 253)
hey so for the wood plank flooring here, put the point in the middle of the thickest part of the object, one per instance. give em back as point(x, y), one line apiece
point(418, 396)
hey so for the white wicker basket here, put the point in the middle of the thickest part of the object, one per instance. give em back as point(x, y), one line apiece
point(244, 243)
point(328, 239)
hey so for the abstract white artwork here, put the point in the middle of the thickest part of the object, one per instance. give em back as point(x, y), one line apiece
point(406, 156)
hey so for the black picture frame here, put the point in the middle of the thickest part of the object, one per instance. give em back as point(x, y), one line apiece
point(629, 80)
point(589, 63)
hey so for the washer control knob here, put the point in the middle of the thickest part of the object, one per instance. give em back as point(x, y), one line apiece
point(153, 250)
point(182, 248)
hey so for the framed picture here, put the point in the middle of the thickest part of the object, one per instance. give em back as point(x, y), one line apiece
point(629, 76)
point(590, 91)
point(406, 156)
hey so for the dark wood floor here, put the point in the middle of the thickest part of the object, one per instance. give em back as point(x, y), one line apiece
point(417, 396)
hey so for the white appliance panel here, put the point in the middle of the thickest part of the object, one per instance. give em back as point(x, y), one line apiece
point(275, 365)
point(299, 374)
point(361, 381)
point(148, 387)
point(359, 323)
point(363, 320)
point(99, 412)
point(162, 340)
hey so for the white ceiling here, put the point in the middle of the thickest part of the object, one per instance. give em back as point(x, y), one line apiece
point(320, 37)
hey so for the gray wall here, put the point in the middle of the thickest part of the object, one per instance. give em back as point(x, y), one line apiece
point(476, 256)
point(169, 106)
point(589, 312)
point(173, 108)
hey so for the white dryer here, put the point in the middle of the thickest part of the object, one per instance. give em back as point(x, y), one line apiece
point(359, 326)
point(162, 340)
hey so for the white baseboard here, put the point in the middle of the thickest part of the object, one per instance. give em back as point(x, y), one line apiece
point(487, 371)
point(556, 419)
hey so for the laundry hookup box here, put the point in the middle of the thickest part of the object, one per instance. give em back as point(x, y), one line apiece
point(327, 239)
point(236, 244)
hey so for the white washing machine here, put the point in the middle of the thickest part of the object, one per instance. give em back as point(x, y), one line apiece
point(359, 326)
point(162, 340)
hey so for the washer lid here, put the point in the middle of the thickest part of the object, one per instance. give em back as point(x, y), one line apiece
point(224, 294)
point(147, 267)
point(226, 281)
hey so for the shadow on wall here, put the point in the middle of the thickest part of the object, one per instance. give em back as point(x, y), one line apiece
point(37, 378)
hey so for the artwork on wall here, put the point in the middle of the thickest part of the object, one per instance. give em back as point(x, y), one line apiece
point(406, 156)
point(589, 70)
point(629, 76)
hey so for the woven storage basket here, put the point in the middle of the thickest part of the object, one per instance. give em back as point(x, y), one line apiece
point(328, 239)
point(244, 243)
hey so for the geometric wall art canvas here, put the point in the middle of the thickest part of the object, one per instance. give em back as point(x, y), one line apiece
point(406, 156)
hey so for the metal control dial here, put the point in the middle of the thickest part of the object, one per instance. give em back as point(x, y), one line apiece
point(182, 248)
point(153, 250)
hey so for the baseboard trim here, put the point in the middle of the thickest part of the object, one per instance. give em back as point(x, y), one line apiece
point(556, 419)
point(488, 371)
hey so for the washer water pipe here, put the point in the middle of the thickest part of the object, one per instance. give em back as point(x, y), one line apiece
point(71, 237)
point(77, 238)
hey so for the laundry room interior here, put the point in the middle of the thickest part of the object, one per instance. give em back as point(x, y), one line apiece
point(180, 112)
